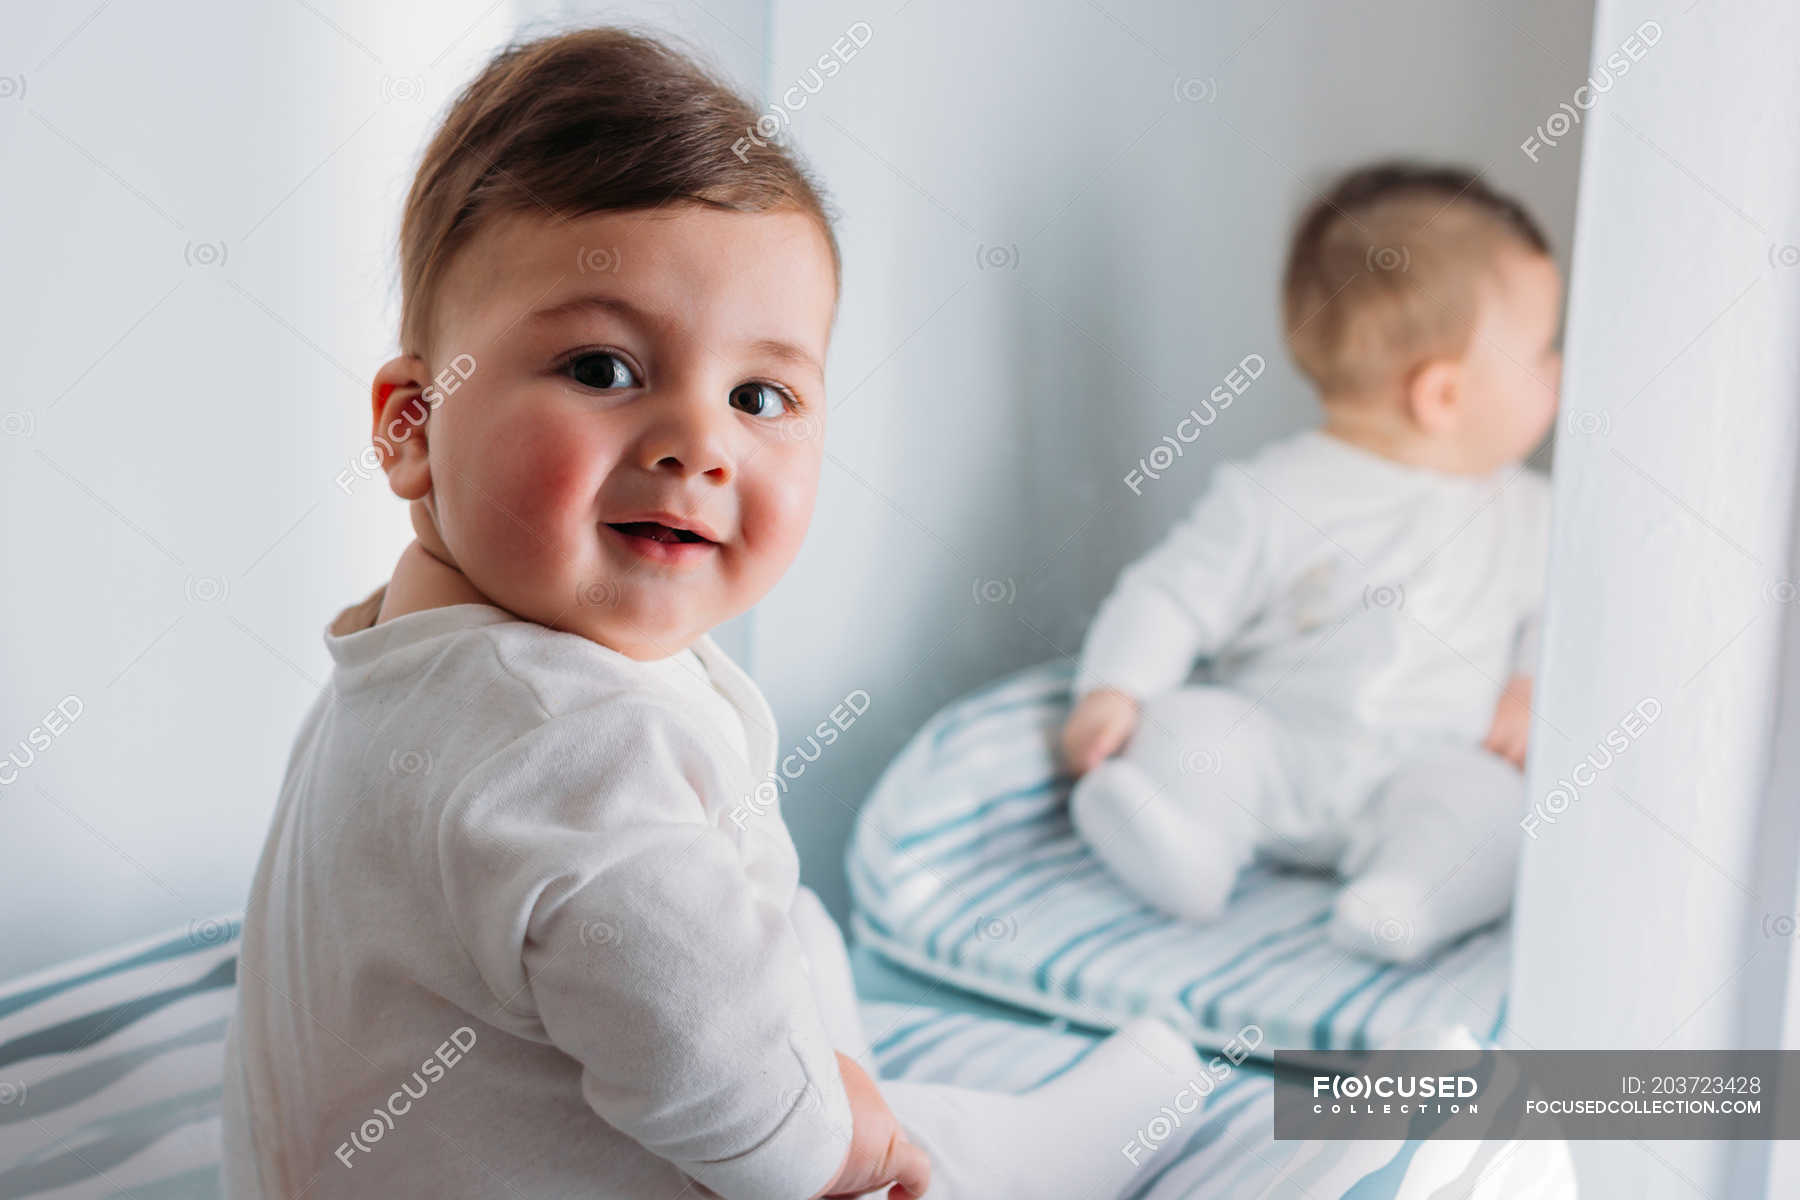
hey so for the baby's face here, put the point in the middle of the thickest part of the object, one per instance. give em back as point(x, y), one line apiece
point(635, 456)
point(1510, 376)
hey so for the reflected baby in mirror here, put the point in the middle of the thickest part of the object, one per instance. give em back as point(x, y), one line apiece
point(1363, 597)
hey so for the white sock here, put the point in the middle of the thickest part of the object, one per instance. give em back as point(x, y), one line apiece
point(1181, 864)
point(1386, 918)
point(1066, 1138)
point(1437, 858)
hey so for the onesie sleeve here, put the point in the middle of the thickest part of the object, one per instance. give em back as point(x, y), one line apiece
point(1185, 598)
point(611, 918)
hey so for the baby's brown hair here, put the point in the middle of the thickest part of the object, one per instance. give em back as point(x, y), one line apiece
point(1385, 267)
point(593, 120)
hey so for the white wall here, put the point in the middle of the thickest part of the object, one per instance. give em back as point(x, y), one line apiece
point(1132, 169)
point(199, 224)
point(1648, 899)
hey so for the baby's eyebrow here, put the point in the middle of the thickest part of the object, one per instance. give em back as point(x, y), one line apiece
point(786, 351)
point(621, 307)
point(594, 300)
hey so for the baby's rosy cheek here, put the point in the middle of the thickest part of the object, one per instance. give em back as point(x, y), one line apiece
point(775, 523)
point(551, 484)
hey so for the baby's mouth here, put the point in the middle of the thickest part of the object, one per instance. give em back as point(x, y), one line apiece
point(656, 531)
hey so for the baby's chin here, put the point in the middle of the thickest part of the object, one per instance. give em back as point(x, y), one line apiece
point(642, 619)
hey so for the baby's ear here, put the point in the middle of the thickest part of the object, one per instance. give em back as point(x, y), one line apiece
point(402, 413)
point(1432, 393)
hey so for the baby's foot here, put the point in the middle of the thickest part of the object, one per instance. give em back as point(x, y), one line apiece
point(1081, 1134)
point(1171, 857)
point(1386, 917)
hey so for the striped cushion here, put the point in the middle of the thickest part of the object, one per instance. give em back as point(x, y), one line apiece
point(964, 866)
point(110, 1067)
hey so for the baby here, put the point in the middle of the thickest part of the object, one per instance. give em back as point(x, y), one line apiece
point(1365, 594)
point(515, 931)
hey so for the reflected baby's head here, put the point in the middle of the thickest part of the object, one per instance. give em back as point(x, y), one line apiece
point(615, 314)
point(1421, 294)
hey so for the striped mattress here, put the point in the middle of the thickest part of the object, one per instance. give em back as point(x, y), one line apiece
point(110, 1085)
point(964, 866)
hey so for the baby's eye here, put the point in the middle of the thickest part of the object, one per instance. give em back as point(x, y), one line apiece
point(600, 370)
point(759, 399)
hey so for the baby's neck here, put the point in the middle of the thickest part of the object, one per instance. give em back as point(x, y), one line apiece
point(422, 581)
point(1374, 430)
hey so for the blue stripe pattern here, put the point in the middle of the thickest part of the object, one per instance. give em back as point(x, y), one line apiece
point(964, 857)
point(115, 1067)
point(111, 1070)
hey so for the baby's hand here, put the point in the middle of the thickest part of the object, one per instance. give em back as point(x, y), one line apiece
point(1512, 722)
point(1100, 724)
point(879, 1152)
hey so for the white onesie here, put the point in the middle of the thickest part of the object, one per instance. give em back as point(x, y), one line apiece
point(514, 931)
point(1356, 617)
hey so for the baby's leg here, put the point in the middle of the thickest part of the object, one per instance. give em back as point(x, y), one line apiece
point(1066, 1138)
point(1077, 1135)
point(1436, 856)
point(1179, 813)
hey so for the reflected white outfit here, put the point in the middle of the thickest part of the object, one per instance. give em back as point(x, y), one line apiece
point(1358, 619)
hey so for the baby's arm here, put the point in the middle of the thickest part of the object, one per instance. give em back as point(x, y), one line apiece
point(1509, 734)
point(1101, 723)
point(611, 919)
point(879, 1152)
point(1180, 601)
